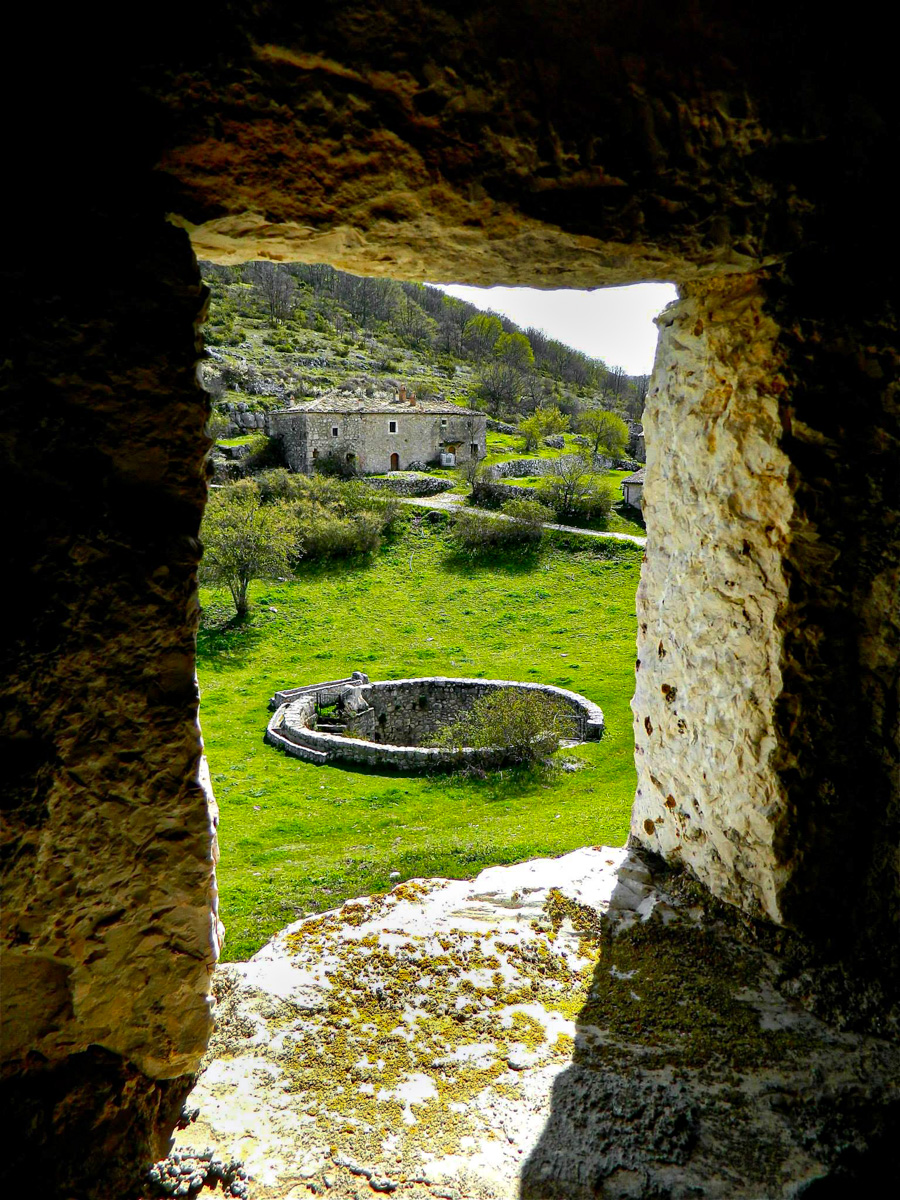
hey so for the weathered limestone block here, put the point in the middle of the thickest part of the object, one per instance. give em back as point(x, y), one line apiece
point(534, 1033)
point(767, 743)
point(718, 506)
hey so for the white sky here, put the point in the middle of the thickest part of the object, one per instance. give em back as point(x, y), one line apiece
point(615, 324)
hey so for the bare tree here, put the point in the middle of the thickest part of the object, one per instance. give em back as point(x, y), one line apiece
point(275, 288)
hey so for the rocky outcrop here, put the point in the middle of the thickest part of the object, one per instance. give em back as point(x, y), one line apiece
point(742, 743)
point(109, 932)
point(535, 1032)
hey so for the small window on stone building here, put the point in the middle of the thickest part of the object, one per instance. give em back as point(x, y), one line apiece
point(443, 420)
point(392, 426)
point(351, 458)
point(474, 449)
point(315, 454)
point(334, 431)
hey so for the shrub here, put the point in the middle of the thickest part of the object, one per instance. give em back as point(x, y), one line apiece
point(477, 533)
point(338, 465)
point(573, 493)
point(265, 453)
point(529, 512)
point(278, 483)
point(217, 425)
point(526, 723)
point(594, 503)
point(323, 534)
point(245, 539)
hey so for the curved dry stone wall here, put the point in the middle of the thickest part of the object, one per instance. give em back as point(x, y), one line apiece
point(394, 719)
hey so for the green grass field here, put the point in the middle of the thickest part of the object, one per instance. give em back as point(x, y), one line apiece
point(297, 838)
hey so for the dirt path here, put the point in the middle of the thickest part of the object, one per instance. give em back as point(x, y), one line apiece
point(447, 503)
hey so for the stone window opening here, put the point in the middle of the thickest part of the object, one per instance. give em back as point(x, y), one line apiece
point(771, 329)
point(335, 432)
point(392, 426)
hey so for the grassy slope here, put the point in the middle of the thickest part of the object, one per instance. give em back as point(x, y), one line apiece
point(297, 838)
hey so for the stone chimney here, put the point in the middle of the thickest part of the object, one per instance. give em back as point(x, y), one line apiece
point(402, 393)
point(412, 398)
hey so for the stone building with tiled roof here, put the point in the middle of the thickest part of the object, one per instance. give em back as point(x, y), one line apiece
point(378, 433)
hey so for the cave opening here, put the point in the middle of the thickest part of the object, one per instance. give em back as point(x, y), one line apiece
point(513, 612)
point(560, 149)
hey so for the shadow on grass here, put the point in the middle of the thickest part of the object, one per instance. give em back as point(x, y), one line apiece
point(226, 641)
point(276, 905)
point(510, 562)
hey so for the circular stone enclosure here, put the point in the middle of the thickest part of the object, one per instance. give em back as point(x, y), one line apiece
point(387, 723)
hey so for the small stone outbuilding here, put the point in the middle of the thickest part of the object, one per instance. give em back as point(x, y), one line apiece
point(376, 433)
point(633, 489)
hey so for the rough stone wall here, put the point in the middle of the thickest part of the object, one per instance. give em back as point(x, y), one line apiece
point(718, 507)
point(492, 495)
point(410, 711)
point(411, 485)
point(291, 432)
point(516, 468)
point(367, 436)
point(109, 931)
point(766, 698)
point(838, 717)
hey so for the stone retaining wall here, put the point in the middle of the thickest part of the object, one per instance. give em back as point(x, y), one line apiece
point(326, 692)
point(411, 485)
point(519, 467)
point(408, 712)
point(492, 495)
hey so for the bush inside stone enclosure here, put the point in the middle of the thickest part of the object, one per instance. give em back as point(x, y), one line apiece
point(528, 725)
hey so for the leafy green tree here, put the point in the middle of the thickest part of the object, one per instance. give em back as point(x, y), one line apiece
point(515, 349)
point(526, 723)
point(530, 429)
point(244, 538)
point(481, 333)
point(542, 423)
point(552, 421)
point(607, 431)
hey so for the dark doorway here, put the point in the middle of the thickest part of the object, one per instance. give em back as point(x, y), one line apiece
point(395, 462)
